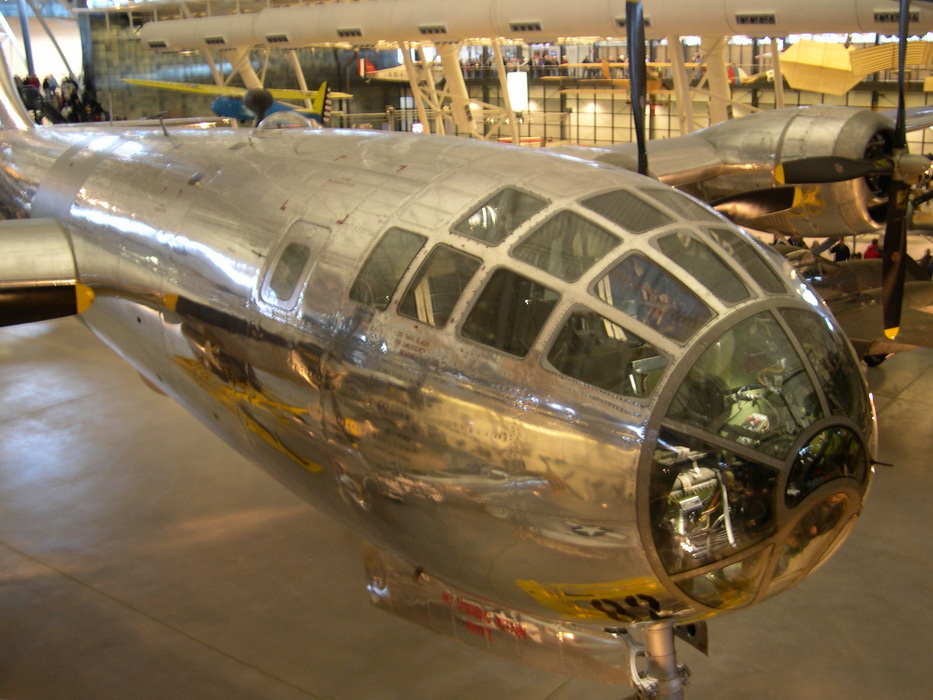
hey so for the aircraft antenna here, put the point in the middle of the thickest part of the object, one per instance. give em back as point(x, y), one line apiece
point(635, 30)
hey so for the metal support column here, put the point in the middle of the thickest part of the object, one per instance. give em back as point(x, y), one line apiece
point(681, 85)
point(717, 75)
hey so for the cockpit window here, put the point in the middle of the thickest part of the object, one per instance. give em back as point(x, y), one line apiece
point(566, 245)
point(644, 291)
point(595, 350)
point(385, 266)
point(510, 312)
point(681, 203)
point(499, 215)
point(702, 263)
point(627, 210)
point(744, 252)
point(438, 285)
point(751, 387)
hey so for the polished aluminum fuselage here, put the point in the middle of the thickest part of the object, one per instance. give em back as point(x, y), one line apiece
point(495, 473)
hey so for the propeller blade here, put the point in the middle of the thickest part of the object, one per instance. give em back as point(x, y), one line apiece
point(826, 169)
point(635, 31)
point(895, 233)
point(894, 256)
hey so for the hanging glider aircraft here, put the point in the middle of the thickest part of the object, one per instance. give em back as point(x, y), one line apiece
point(569, 408)
point(229, 100)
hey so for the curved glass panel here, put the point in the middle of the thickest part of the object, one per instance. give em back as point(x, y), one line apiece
point(566, 245)
point(743, 252)
point(499, 215)
point(732, 586)
point(702, 263)
point(438, 285)
point(681, 203)
point(707, 503)
point(385, 266)
point(833, 453)
point(808, 541)
point(510, 312)
point(638, 287)
point(834, 364)
point(595, 350)
point(750, 386)
point(627, 210)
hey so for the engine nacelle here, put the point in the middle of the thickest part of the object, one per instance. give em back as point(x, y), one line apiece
point(735, 160)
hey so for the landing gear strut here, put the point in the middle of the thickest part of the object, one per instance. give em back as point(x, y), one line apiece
point(663, 678)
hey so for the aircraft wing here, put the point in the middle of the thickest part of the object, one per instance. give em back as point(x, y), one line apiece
point(915, 117)
point(193, 88)
point(232, 91)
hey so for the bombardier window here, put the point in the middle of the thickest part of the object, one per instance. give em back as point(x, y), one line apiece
point(499, 215)
point(744, 253)
point(510, 312)
point(644, 291)
point(288, 270)
point(566, 245)
point(438, 285)
point(385, 266)
point(595, 350)
point(750, 386)
point(627, 210)
point(702, 263)
point(681, 203)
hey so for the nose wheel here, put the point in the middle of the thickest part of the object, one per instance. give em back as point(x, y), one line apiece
point(656, 674)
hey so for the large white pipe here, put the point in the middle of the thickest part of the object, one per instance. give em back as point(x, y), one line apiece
point(367, 22)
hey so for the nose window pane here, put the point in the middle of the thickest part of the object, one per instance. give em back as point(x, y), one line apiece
point(834, 364)
point(831, 454)
point(599, 352)
point(707, 503)
point(750, 386)
point(681, 203)
point(385, 266)
point(644, 291)
point(566, 245)
point(810, 538)
point(627, 210)
point(510, 312)
point(499, 215)
point(744, 252)
point(438, 285)
point(699, 261)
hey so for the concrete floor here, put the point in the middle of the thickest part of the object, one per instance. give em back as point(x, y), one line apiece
point(142, 558)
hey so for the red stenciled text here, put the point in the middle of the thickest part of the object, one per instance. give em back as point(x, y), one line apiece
point(487, 618)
